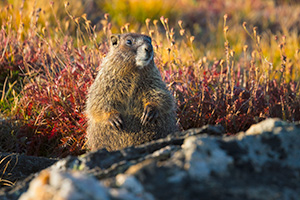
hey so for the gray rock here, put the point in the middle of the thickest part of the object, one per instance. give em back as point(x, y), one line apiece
point(277, 141)
point(203, 156)
point(267, 125)
point(54, 184)
point(262, 163)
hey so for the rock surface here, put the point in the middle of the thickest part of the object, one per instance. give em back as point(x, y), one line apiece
point(262, 163)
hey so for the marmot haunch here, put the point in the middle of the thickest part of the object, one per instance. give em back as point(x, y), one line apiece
point(128, 103)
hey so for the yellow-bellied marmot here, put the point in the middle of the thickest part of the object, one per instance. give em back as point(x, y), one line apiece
point(128, 104)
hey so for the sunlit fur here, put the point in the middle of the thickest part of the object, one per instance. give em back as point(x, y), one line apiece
point(127, 82)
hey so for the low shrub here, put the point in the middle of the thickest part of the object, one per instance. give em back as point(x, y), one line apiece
point(45, 75)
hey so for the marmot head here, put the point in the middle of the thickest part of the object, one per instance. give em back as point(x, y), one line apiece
point(136, 46)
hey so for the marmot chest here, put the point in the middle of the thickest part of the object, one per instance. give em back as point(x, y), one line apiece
point(125, 90)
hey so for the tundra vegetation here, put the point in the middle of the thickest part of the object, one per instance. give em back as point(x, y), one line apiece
point(226, 62)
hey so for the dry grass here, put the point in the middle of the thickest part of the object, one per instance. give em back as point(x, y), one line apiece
point(5, 164)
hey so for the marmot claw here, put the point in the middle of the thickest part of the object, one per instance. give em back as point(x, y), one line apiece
point(150, 114)
point(116, 121)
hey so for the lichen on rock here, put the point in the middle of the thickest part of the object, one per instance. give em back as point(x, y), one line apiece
point(261, 163)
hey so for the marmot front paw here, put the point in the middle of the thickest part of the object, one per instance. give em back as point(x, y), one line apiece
point(150, 114)
point(116, 121)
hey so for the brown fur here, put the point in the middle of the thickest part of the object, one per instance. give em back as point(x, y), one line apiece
point(124, 92)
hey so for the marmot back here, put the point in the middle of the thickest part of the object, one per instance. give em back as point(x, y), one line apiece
point(128, 104)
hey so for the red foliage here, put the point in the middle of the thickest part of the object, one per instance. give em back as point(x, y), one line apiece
point(205, 100)
point(51, 105)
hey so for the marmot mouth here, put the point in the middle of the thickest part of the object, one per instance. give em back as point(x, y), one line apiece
point(147, 59)
point(143, 62)
point(143, 58)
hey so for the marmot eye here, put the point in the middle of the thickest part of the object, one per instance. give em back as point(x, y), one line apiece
point(129, 42)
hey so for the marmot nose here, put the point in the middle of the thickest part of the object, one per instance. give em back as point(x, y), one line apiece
point(148, 48)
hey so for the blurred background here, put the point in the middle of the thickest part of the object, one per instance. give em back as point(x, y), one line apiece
point(199, 16)
point(201, 19)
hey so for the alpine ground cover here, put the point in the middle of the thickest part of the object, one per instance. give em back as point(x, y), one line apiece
point(233, 68)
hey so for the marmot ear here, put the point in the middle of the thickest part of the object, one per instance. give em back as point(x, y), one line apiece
point(115, 39)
